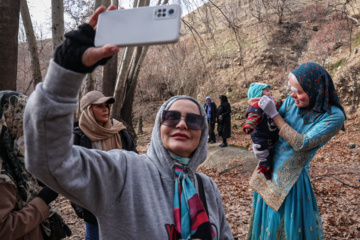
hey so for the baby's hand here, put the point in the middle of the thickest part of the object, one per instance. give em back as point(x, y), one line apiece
point(247, 130)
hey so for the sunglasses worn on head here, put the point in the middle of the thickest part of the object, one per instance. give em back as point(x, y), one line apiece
point(192, 120)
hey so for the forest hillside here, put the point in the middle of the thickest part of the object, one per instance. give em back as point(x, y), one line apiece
point(226, 45)
point(231, 48)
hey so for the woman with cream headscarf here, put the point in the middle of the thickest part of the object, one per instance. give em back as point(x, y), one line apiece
point(96, 130)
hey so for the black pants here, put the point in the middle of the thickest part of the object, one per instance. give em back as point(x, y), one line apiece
point(211, 131)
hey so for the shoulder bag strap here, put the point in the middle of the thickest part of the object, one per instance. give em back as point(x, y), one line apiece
point(202, 192)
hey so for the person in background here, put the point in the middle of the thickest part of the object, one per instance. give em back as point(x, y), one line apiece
point(153, 196)
point(23, 204)
point(286, 208)
point(224, 120)
point(96, 130)
point(210, 109)
point(261, 128)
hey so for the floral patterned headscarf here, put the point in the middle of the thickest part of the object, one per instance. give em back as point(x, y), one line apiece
point(12, 105)
point(318, 85)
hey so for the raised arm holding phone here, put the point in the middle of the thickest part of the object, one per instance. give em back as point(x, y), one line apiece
point(153, 196)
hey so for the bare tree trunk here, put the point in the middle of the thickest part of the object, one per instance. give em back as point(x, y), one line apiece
point(127, 80)
point(126, 110)
point(91, 77)
point(140, 125)
point(110, 69)
point(30, 36)
point(119, 92)
point(90, 82)
point(9, 27)
point(97, 4)
point(109, 76)
point(57, 15)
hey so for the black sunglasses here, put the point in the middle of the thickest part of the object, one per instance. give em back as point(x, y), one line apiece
point(172, 118)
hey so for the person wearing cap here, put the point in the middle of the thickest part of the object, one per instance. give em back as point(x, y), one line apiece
point(261, 128)
point(96, 130)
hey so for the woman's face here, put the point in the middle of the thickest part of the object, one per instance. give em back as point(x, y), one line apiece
point(180, 139)
point(101, 113)
point(301, 98)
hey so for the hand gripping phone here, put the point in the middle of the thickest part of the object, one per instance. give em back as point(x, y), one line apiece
point(139, 26)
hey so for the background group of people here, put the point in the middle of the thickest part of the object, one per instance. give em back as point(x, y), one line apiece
point(157, 195)
point(220, 115)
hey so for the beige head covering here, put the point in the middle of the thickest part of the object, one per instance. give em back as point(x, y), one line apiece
point(94, 97)
point(107, 134)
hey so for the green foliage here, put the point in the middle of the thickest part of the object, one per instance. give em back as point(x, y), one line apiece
point(337, 64)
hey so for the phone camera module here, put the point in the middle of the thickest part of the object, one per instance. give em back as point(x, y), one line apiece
point(171, 11)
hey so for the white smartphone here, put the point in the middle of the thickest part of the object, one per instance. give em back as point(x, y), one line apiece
point(139, 26)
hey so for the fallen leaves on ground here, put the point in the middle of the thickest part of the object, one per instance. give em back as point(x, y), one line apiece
point(338, 203)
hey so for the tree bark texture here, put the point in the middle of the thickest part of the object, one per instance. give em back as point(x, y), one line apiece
point(57, 15)
point(97, 4)
point(109, 71)
point(90, 82)
point(31, 40)
point(9, 27)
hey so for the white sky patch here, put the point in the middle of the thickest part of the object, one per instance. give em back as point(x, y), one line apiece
point(40, 12)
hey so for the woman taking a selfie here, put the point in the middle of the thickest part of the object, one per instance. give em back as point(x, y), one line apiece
point(152, 196)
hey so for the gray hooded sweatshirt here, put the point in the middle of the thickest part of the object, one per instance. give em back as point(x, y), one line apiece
point(131, 195)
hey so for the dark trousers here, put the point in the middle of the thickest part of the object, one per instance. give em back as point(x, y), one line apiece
point(92, 231)
point(211, 131)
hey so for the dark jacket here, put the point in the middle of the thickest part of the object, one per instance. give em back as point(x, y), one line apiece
point(213, 112)
point(81, 139)
point(224, 124)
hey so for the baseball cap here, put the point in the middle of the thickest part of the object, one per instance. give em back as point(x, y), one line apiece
point(94, 97)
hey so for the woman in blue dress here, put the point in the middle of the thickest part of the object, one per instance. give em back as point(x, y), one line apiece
point(285, 207)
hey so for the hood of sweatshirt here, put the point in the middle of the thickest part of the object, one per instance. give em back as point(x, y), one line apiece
point(161, 157)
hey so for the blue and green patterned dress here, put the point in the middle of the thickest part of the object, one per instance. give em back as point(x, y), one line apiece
point(285, 207)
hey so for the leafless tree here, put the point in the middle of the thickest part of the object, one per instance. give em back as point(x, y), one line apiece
point(280, 7)
point(78, 11)
point(31, 40)
point(109, 71)
point(259, 9)
point(57, 15)
point(9, 27)
point(127, 77)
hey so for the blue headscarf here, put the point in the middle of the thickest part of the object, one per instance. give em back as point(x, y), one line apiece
point(318, 85)
point(208, 108)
